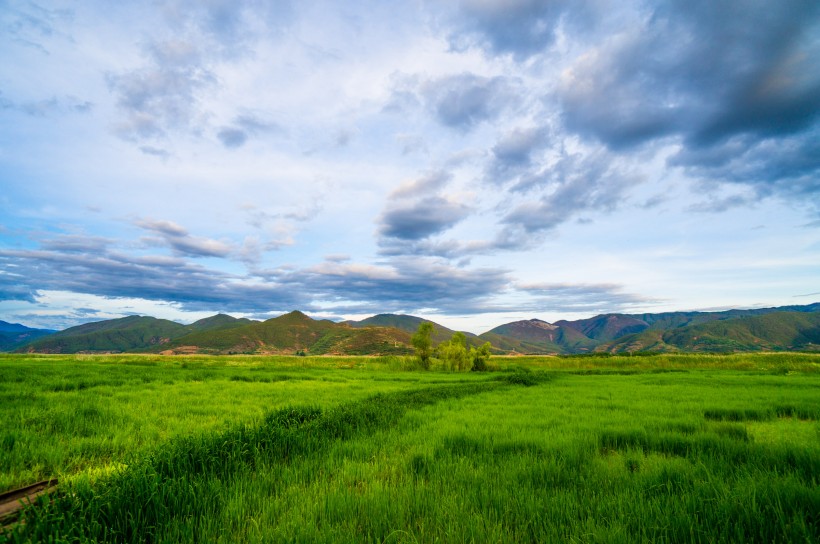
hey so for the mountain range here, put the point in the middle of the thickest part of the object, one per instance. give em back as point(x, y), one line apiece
point(769, 329)
point(14, 335)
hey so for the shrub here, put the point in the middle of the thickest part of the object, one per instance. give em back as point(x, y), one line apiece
point(480, 356)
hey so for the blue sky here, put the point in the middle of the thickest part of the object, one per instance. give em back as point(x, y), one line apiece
point(471, 162)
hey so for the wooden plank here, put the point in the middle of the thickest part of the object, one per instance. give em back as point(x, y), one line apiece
point(12, 502)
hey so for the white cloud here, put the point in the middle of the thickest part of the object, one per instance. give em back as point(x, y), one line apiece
point(266, 136)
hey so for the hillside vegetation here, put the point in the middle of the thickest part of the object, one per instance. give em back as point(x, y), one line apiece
point(294, 332)
point(774, 331)
point(115, 335)
point(410, 324)
point(536, 336)
point(770, 329)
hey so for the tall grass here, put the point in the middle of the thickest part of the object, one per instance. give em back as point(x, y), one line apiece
point(610, 458)
point(774, 362)
point(699, 450)
point(63, 414)
point(186, 478)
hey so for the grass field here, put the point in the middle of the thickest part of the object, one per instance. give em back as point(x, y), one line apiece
point(62, 414)
point(585, 449)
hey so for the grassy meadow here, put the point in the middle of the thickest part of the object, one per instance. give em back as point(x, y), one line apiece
point(60, 415)
point(669, 448)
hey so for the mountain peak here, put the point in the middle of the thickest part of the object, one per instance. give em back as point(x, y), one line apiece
point(295, 315)
point(543, 324)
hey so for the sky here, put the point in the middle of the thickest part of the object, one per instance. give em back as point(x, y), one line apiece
point(474, 162)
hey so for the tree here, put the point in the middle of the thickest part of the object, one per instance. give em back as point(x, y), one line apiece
point(423, 343)
point(479, 357)
point(454, 353)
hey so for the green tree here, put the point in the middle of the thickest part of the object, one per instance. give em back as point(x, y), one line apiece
point(454, 353)
point(478, 357)
point(423, 343)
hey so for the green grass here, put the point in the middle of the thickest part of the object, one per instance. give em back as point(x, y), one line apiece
point(615, 449)
point(63, 414)
point(771, 362)
point(578, 458)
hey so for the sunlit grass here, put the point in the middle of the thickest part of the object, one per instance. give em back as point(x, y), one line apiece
point(689, 449)
point(782, 362)
point(583, 458)
point(63, 414)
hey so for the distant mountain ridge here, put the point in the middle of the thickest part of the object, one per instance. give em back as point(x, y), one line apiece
point(14, 335)
point(616, 333)
point(536, 336)
point(788, 327)
point(764, 332)
point(291, 333)
point(113, 335)
point(606, 327)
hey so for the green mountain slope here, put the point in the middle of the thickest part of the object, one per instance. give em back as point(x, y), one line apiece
point(791, 327)
point(410, 324)
point(509, 344)
point(671, 320)
point(127, 334)
point(769, 331)
point(536, 336)
point(649, 332)
point(604, 328)
point(114, 335)
point(292, 333)
point(219, 321)
point(407, 323)
point(345, 340)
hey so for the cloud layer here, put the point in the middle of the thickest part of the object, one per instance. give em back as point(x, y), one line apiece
point(457, 158)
